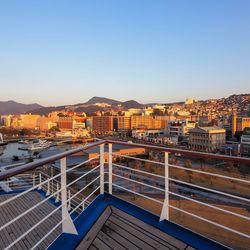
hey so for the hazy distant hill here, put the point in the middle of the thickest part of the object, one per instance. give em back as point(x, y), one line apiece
point(89, 107)
point(11, 107)
point(97, 99)
point(47, 110)
point(132, 104)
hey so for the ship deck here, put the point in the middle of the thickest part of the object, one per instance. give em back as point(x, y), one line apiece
point(11, 210)
point(118, 230)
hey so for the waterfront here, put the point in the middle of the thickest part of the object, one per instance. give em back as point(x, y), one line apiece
point(11, 151)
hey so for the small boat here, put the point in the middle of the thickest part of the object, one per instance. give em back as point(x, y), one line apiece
point(40, 145)
point(24, 142)
point(2, 143)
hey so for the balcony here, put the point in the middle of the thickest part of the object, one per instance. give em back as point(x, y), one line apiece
point(162, 198)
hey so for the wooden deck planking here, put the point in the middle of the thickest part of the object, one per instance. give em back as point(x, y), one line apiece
point(17, 228)
point(118, 230)
point(119, 238)
point(155, 234)
point(89, 238)
point(99, 244)
point(153, 244)
point(129, 236)
point(155, 239)
point(31, 219)
point(110, 241)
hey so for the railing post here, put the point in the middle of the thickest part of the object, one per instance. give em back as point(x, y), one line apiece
point(57, 195)
point(40, 181)
point(110, 168)
point(165, 208)
point(102, 168)
point(48, 189)
point(34, 179)
point(67, 224)
point(69, 201)
point(83, 204)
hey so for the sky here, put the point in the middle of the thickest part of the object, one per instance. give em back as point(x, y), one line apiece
point(65, 52)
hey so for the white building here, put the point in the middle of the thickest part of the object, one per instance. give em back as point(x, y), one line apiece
point(179, 127)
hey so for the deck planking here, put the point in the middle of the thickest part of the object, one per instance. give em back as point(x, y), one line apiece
point(23, 224)
point(118, 230)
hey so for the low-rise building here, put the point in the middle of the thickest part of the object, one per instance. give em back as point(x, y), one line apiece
point(208, 139)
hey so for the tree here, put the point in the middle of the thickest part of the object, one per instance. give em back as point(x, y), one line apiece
point(24, 132)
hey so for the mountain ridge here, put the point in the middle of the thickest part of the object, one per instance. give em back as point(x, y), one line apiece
point(12, 107)
point(16, 108)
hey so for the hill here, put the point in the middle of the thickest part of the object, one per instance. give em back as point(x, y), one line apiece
point(15, 108)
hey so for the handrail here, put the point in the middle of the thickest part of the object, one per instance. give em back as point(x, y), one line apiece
point(183, 151)
point(38, 163)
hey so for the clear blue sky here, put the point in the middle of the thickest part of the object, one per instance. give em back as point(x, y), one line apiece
point(63, 52)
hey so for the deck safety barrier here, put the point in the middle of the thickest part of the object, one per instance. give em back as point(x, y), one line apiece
point(31, 177)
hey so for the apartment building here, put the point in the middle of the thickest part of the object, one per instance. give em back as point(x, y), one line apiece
point(239, 123)
point(123, 123)
point(29, 121)
point(103, 124)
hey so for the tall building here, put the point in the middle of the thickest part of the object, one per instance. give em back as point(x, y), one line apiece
point(124, 123)
point(245, 142)
point(103, 124)
point(239, 123)
point(208, 139)
point(65, 123)
point(29, 121)
point(234, 117)
point(242, 123)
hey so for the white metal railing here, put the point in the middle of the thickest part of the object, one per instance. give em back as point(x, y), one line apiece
point(74, 201)
point(60, 190)
point(166, 205)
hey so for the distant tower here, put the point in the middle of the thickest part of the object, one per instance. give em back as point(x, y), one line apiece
point(234, 118)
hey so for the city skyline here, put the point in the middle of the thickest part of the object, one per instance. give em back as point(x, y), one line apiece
point(55, 53)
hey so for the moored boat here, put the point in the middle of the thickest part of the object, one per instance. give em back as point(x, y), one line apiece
point(2, 143)
point(40, 145)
